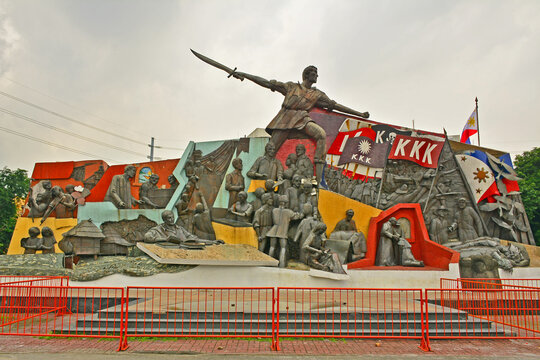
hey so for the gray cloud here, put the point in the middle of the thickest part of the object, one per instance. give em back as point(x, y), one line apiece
point(126, 66)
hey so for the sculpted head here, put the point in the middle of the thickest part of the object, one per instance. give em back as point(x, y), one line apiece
point(33, 232)
point(306, 188)
point(46, 231)
point(168, 217)
point(310, 74)
point(300, 150)
point(154, 178)
point(237, 164)
point(291, 159)
point(270, 149)
point(319, 228)
point(307, 209)
point(393, 221)
point(267, 199)
point(242, 196)
point(70, 188)
point(269, 185)
point(349, 214)
point(259, 192)
point(57, 191)
point(462, 203)
point(297, 181)
point(199, 208)
point(130, 171)
point(46, 184)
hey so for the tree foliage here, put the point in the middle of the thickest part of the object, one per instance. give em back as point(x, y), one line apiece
point(14, 185)
point(527, 166)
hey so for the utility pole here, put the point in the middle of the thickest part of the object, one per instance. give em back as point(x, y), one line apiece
point(151, 157)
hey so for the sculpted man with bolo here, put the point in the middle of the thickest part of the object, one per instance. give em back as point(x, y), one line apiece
point(300, 98)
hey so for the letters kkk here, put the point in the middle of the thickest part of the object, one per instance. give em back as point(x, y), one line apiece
point(293, 120)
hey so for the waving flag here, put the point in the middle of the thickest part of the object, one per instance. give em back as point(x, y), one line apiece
point(365, 151)
point(421, 150)
point(471, 128)
point(479, 176)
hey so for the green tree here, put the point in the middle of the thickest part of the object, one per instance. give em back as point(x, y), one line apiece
point(14, 185)
point(527, 166)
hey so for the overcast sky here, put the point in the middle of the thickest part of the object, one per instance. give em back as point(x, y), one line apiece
point(124, 66)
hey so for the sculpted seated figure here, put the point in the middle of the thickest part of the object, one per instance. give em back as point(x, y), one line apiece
point(346, 230)
point(171, 232)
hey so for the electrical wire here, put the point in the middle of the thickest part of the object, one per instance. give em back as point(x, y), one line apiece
point(71, 106)
point(79, 109)
point(26, 118)
point(70, 118)
point(54, 144)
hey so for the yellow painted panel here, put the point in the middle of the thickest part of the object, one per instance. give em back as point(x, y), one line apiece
point(58, 226)
point(235, 235)
point(255, 184)
point(333, 206)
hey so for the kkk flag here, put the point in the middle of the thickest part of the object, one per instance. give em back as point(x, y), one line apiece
point(363, 150)
point(421, 150)
point(341, 139)
point(479, 176)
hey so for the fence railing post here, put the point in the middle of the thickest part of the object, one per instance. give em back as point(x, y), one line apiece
point(424, 344)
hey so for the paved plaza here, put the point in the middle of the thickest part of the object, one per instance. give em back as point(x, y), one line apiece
point(26, 347)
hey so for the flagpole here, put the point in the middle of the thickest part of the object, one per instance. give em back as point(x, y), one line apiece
point(477, 121)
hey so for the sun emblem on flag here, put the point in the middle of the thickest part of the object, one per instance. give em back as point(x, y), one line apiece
point(471, 122)
point(364, 147)
point(481, 175)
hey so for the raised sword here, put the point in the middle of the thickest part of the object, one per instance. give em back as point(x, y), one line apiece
point(214, 63)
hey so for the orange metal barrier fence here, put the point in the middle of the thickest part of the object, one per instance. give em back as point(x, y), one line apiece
point(349, 313)
point(489, 283)
point(34, 280)
point(200, 312)
point(30, 310)
point(471, 308)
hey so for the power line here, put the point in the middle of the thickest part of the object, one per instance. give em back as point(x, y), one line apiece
point(68, 104)
point(85, 111)
point(54, 144)
point(68, 132)
point(70, 118)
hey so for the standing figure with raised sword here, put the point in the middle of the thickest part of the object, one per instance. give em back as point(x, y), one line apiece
point(293, 120)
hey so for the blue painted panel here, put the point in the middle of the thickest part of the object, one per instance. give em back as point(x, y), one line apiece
point(256, 149)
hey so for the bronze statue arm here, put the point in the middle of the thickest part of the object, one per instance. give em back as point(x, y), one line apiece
point(269, 84)
point(344, 109)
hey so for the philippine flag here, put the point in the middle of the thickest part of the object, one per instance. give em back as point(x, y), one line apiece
point(479, 176)
point(470, 128)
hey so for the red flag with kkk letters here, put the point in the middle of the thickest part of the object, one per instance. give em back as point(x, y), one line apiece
point(423, 151)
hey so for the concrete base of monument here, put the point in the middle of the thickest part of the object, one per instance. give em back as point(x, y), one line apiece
point(238, 276)
point(328, 275)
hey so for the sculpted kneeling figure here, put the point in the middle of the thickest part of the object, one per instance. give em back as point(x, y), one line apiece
point(171, 232)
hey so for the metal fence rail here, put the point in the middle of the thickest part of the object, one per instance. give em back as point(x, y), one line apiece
point(200, 312)
point(467, 308)
point(483, 313)
point(349, 313)
point(30, 310)
point(34, 280)
point(489, 283)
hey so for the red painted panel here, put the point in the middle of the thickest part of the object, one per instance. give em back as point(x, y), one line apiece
point(163, 168)
point(53, 170)
point(431, 253)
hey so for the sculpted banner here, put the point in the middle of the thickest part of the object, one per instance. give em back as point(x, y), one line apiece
point(423, 151)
